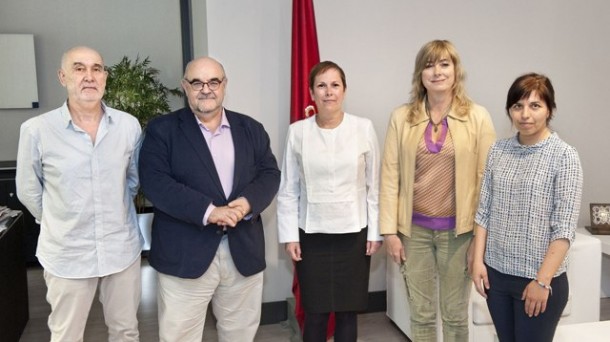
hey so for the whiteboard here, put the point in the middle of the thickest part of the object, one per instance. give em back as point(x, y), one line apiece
point(18, 82)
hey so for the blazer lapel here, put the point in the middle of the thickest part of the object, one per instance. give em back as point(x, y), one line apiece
point(193, 134)
point(240, 144)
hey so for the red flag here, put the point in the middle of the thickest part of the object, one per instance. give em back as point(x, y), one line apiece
point(305, 55)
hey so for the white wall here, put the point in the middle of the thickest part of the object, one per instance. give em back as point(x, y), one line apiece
point(115, 28)
point(376, 42)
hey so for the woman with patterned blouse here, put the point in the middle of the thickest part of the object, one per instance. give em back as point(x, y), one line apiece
point(435, 151)
point(528, 211)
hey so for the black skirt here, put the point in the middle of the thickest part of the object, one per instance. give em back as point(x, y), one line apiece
point(334, 272)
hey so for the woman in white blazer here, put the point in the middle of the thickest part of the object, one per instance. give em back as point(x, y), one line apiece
point(327, 207)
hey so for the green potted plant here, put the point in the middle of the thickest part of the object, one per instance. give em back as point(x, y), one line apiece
point(134, 87)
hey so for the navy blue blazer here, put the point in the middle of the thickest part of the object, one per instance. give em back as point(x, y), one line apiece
point(178, 176)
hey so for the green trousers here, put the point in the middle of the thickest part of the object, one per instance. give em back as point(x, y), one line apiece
point(436, 268)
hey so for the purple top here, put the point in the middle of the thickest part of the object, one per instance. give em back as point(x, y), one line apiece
point(434, 223)
point(432, 146)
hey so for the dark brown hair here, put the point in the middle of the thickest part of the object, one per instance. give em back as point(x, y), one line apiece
point(524, 85)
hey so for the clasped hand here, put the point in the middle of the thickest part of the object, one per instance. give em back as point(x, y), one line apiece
point(230, 214)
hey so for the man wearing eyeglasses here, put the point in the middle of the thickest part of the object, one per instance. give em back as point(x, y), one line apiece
point(209, 173)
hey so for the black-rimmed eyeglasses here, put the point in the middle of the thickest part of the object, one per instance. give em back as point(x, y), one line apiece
point(212, 84)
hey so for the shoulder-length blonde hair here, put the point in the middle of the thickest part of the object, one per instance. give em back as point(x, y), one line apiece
point(433, 52)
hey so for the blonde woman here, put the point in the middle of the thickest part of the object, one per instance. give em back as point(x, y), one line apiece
point(435, 151)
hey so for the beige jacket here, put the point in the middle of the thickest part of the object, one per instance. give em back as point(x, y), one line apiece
point(472, 136)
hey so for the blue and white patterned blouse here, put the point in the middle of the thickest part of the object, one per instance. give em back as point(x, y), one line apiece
point(530, 196)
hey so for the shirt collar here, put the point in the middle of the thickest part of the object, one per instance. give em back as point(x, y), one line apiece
point(224, 122)
point(106, 113)
point(514, 141)
point(421, 115)
point(67, 119)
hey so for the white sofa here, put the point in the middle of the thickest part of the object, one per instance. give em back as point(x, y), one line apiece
point(584, 276)
point(586, 332)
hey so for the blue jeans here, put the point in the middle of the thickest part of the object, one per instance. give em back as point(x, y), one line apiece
point(437, 259)
point(508, 310)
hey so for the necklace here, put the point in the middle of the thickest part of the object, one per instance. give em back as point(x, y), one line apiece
point(434, 124)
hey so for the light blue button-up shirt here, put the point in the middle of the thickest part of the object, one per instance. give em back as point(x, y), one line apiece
point(81, 192)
